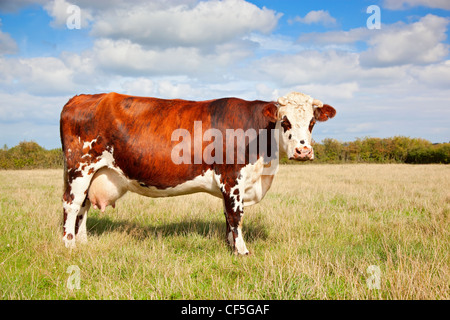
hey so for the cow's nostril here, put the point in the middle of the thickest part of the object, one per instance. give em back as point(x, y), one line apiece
point(303, 150)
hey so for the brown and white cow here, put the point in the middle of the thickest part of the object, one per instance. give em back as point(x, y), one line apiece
point(115, 143)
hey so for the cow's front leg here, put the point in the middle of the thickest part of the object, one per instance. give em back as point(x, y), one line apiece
point(70, 220)
point(233, 210)
point(75, 206)
point(80, 225)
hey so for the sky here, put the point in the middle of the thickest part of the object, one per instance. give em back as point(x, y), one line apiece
point(384, 65)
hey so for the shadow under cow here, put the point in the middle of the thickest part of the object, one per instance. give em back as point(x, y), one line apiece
point(210, 229)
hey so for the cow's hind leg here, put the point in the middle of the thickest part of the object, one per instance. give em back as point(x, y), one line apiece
point(233, 210)
point(75, 209)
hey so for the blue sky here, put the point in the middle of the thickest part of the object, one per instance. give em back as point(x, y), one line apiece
point(383, 82)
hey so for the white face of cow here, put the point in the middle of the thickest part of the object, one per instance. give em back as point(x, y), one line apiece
point(297, 114)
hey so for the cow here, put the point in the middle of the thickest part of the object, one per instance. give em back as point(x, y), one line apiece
point(114, 143)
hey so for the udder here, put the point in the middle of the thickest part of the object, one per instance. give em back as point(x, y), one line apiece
point(106, 187)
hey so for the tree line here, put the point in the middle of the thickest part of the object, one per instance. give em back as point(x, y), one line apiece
point(383, 150)
point(30, 155)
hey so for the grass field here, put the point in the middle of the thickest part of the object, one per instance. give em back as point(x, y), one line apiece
point(313, 236)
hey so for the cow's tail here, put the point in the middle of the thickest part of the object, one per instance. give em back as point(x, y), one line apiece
point(65, 176)
point(65, 172)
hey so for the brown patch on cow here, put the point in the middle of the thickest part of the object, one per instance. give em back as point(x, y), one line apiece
point(73, 174)
point(311, 124)
point(64, 221)
point(68, 196)
point(232, 216)
point(286, 124)
point(77, 224)
point(69, 236)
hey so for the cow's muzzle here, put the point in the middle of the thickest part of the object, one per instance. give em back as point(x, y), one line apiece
point(303, 154)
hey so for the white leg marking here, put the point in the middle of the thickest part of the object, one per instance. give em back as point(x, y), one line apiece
point(240, 244)
point(69, 226)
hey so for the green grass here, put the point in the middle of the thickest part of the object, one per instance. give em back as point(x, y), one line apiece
point(313, 237)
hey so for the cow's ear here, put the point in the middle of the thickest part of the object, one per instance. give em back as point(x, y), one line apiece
point(324, 113)
point(270, 111)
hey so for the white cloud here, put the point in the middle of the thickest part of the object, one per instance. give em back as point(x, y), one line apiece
point(84, 67)
point(58, 10)
point(273, 42)
point(139, 86)
point(339, 76)
point(316, 17)
point(420, 42)
point(417, 43)
point(171, 37)
point(434, 76)
point(404, 4)
point(204, 24)
point(331, 92)
point(45, 76)
point(306, 67)
point(126, 58)
point(13, 6)
point(104, 5)
point(169, 90)
point(7, 44)
point(23, 106)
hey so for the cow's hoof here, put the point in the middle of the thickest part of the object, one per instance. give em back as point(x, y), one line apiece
point(69, 241)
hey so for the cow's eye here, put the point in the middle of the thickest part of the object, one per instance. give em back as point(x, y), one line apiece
point(285, 124)
point(311, 124)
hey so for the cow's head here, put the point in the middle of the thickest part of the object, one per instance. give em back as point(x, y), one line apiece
point(297, 115)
